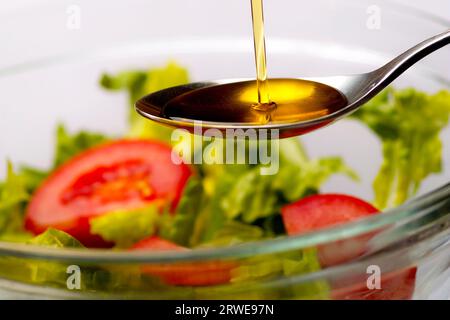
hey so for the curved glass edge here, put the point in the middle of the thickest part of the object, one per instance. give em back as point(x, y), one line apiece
point(343, 278)
point(400, 215)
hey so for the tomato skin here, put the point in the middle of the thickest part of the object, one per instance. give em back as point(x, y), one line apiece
point(398, 285)
point(155, 243)
point(122, 175)
point(323, 210)
point(320, 211)
point(184, 274)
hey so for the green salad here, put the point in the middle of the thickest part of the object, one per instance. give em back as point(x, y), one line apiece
point(125, 194)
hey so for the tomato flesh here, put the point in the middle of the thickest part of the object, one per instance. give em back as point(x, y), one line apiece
point(119, 182)
point(123, 175)
point(184, 274)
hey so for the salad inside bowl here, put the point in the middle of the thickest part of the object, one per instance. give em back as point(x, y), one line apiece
point(123, 215)
point(129, 195)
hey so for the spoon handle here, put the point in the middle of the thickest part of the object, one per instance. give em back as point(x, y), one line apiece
point(400, 64)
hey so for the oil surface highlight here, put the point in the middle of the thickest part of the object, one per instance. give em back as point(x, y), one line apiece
point(297, 100)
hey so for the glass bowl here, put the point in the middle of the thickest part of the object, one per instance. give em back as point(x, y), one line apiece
point(49, 73)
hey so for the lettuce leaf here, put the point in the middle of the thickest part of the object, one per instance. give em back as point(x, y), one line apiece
point(33, 177)
point(70, 145)
point(255, 196)
point(408, 122)
point(289, 264)
point(218, 181)
point(56, 239)
point(38, 271)
point(55, 274)
point(125, 227)
point(139, 83)
point(240, 193)
point(234, 233)
point(13, 198)
point(16, 190)
point(179, 227)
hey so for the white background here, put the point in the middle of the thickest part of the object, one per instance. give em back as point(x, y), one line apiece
point(437, 7)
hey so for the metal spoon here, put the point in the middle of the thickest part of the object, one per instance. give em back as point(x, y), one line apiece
point(358, 89)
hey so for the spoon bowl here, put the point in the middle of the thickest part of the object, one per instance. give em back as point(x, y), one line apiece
point(357, 89)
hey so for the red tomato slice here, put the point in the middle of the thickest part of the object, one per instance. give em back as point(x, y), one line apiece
point(126, 175)
point(184, 274)
point(320, 211)
point(394, 286)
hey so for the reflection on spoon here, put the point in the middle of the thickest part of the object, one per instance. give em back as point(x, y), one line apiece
point(302, 105)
